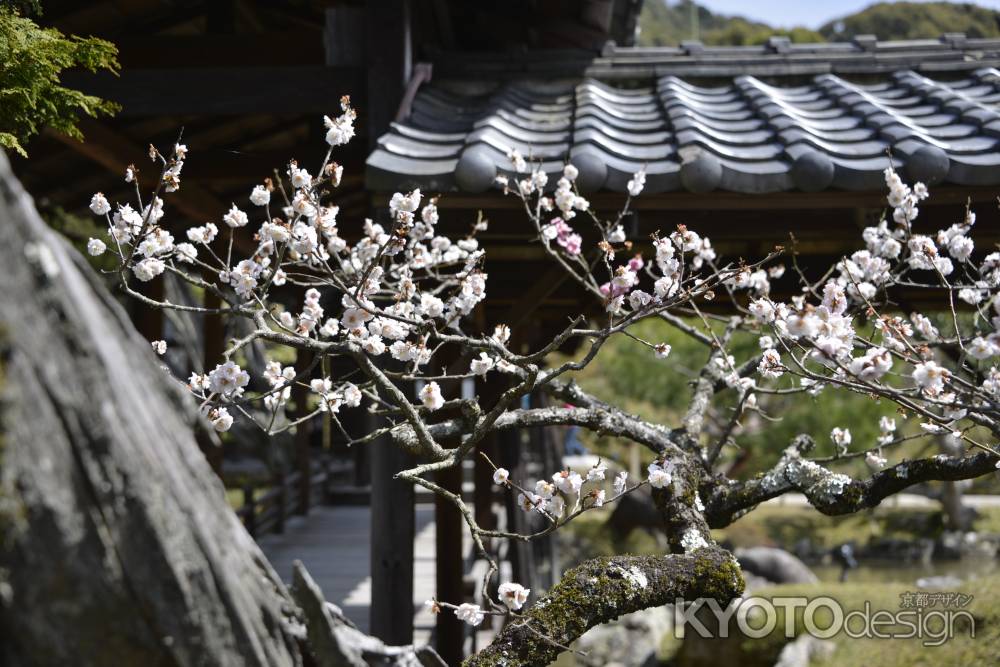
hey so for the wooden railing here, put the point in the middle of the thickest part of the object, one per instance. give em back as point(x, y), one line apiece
point(292, 494)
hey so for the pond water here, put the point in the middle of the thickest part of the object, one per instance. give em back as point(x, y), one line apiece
point(890, 571)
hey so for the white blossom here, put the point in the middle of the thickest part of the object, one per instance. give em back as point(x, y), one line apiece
point(887, 427)
point(660, 475)
point(470, 613)
point(597, 472)
point(637, 183)
point(148, 269)
point(567, 481)
point(876, 362)
point(431, 396)
point(340, 130)
point(221, 419)
point(841, 437)
point(228, 379)
point(482, 365)
point(875, 461)
point(96, 247)
point(99, 204)
point(982, 348)
point(260, 196)
point(204, 234)
point(770, 364)
point(235, 217)
point(513, 595)
point(621, 482)
point(930, 377)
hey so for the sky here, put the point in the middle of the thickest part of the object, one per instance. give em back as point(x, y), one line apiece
point(808, 13)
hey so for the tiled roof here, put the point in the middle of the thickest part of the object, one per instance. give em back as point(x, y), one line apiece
point(777, 57)
point(741, 135)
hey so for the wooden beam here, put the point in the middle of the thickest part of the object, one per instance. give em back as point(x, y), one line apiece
point(95, 17)
point(225, 90)
point(553, 278)
point(177, 51)
point(115, 152)
point(723, 201)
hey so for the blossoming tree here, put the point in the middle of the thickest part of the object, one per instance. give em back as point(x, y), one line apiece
point(391, 299)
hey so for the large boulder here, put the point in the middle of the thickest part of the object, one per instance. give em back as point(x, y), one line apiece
point(117, 546)
point(777, 566)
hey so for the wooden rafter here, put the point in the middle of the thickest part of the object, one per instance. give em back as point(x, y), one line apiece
point(225, 90)
point(115, 152)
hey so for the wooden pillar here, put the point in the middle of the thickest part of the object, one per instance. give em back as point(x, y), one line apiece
point(149, 320)
point(392, 532)
point(214, 344)
point(449, 567)
point(214, 333)
point(389, 47)
point(484, 490)
point(250, 507)
point(520, 553)
point(303, 432)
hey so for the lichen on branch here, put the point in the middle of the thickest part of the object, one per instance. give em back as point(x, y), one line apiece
point(601, 590)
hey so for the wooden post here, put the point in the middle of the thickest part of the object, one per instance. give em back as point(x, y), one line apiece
point(281, 502)
point(214, 332)
point(449, 566)
point(250, 510)
point(389, 61)
point(149, 320)
point(520, 553)
point(484, 490)
point(387, 36)
point(303, 464)
point(214, 335)
point(392, 532)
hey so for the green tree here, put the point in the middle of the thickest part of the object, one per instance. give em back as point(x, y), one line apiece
point(666, 24)
point(660, 391)
point(915, 20)
point(31, 60)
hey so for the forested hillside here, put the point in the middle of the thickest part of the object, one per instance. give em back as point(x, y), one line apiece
point(664, 23)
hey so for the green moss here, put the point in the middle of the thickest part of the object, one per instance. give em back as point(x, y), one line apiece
point(716, 581)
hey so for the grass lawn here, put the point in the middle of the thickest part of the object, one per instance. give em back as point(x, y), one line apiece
point(783, 526)
point(962, 649)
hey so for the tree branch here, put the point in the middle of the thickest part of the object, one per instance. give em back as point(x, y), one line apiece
point(601, 590)
point(727, 502)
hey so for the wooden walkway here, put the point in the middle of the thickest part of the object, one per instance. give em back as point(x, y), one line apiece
point(333, 542)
